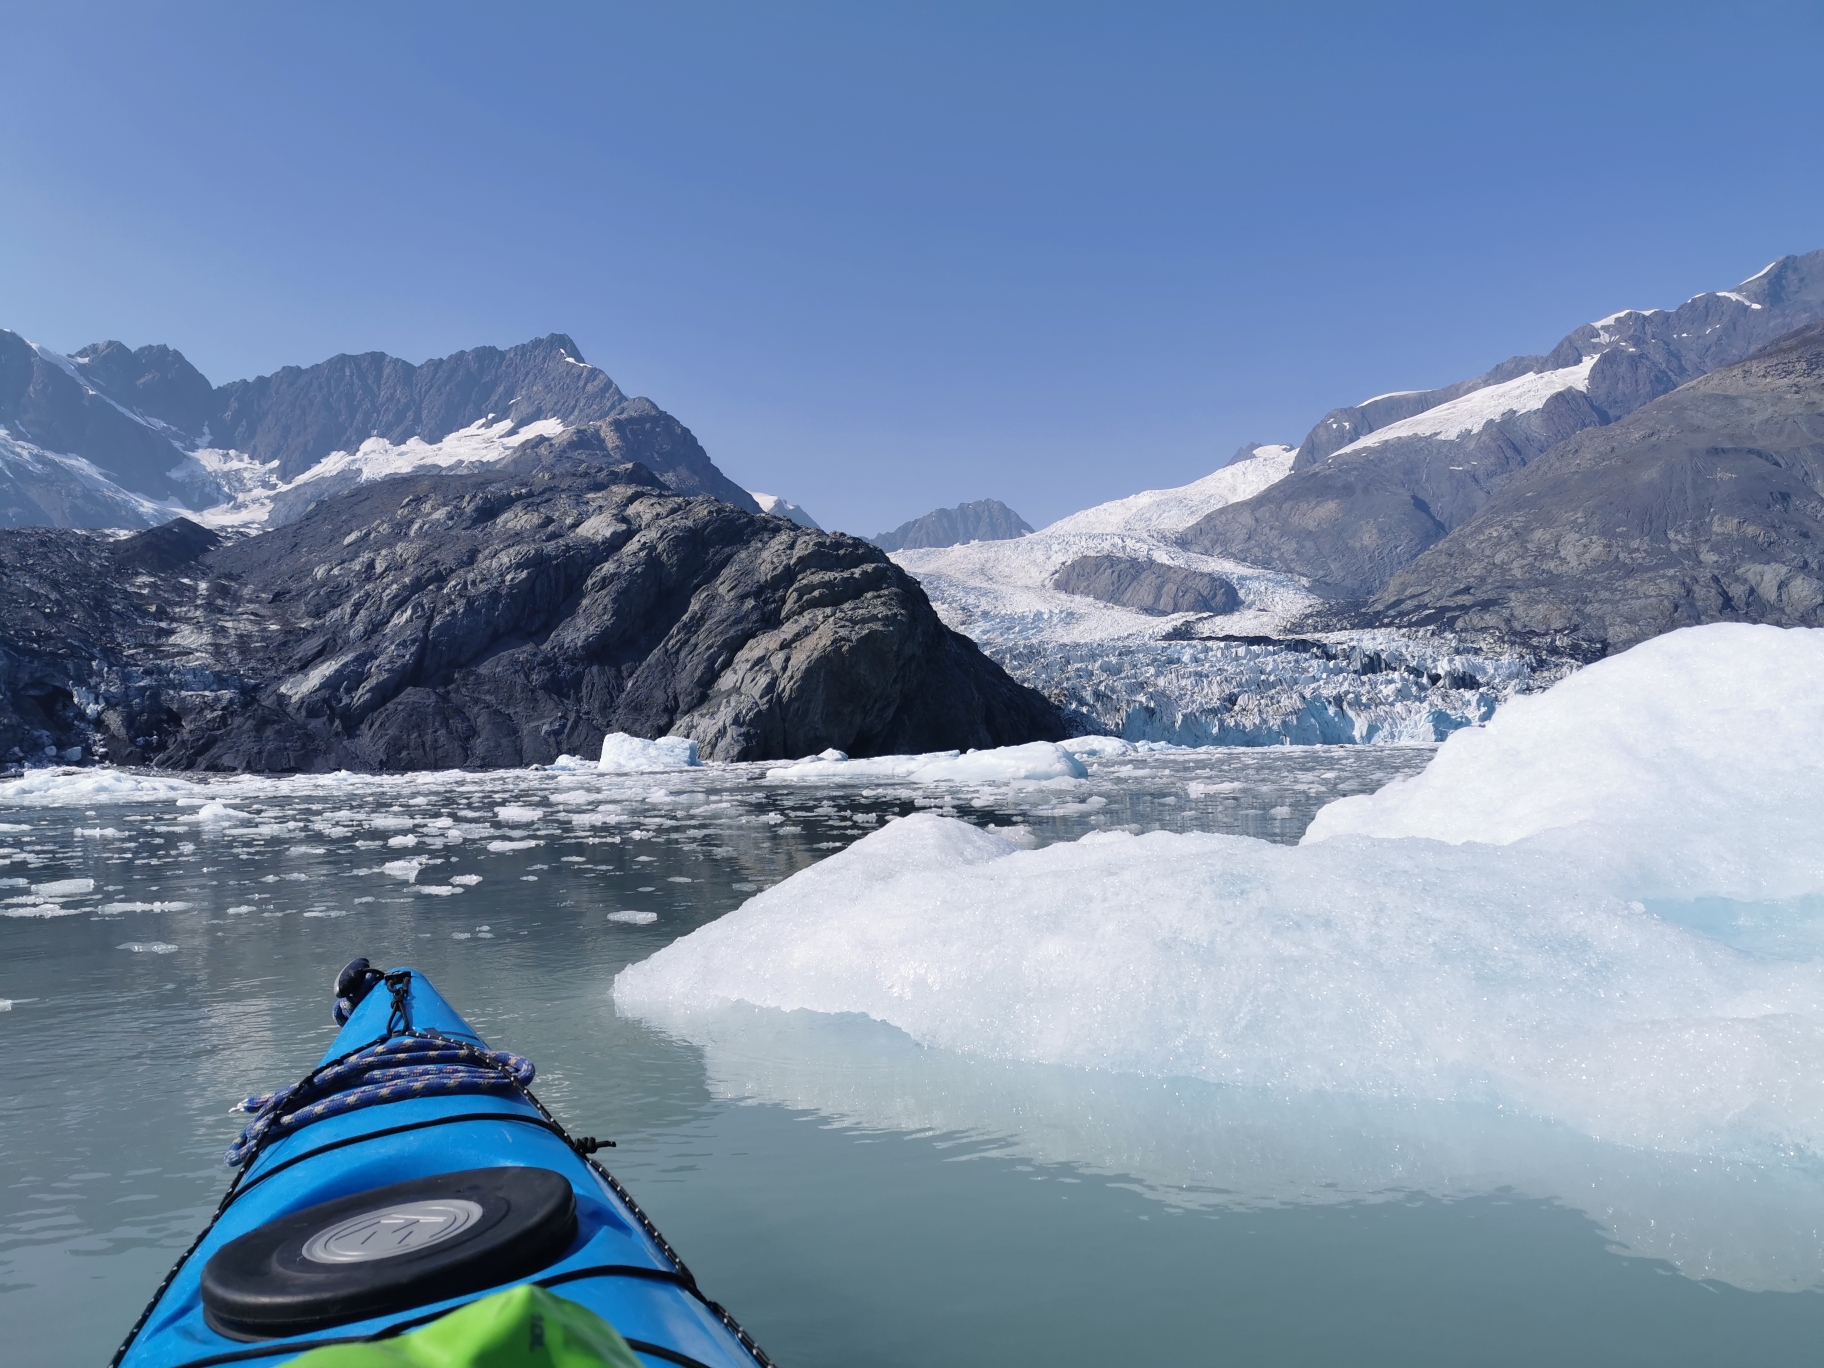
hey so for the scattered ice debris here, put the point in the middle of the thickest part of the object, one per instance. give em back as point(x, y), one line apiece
point(99, 833)
point(634, 918)
point(634, 754)
point(147, 947)
point(115, 907)
point(48, 909)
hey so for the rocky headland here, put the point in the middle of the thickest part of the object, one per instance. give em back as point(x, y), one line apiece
point(502, 616)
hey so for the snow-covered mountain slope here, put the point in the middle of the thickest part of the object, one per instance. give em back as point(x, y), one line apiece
point(784, 508)
point(108, 436)
point(1163, 512)
point(1201, 678)
point(1374, 485)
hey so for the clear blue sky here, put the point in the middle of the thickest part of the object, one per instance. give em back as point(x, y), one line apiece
point(882, 258)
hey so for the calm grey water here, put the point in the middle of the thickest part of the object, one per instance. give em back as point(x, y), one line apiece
point(852, 1197)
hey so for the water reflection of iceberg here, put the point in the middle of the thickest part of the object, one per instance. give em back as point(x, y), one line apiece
point(1206, 1146)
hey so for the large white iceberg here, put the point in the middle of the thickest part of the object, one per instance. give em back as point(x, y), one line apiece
point(635, 754)
point(1528, 975)
point(1697, 758)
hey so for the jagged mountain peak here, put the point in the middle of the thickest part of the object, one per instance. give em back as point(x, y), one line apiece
point(114, 436)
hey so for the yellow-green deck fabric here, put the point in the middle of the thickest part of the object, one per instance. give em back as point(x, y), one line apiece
point(523, 1327)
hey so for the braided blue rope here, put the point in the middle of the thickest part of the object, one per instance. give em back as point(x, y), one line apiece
point(419, 1064)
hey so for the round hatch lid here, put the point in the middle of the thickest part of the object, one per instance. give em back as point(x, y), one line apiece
point(388, 1249)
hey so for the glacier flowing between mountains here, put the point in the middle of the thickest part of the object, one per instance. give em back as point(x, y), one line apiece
point(1200, 678)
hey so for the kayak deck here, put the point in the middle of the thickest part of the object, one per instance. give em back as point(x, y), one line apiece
point(617, 1264)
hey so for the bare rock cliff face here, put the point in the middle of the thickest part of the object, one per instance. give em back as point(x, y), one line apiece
point(1705, 505)
point(498, 618)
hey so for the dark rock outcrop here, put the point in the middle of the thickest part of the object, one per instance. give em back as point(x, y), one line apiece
point(501, 617)
point(1705, 505)
point(1147, 586)
point(1351, 516)
point(983, 520)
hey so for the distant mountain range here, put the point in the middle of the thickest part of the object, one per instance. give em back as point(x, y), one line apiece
point(112, 437)
point(1375, 485)
point(983, 520)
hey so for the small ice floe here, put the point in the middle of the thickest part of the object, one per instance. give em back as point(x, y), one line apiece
point(466, 880)
point(115, 907)
point(99, 833)
point(502, 847)
point(49, 909)
point(1025, 838)
point(147, 947)
point(634, 755)
point(401, 842)
point(1036, 760)
point(518, 814)
point(633, 918)
point(217, 813)
point(437, 890)
point(64, 888)
point(56, 786)
point(1098, 746)
point(405, 869)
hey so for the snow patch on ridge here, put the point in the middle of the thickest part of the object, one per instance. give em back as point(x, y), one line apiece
point(1470, 413)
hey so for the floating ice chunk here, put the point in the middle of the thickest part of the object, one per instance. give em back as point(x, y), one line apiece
point(1691, 764)
point(466, 880)
point(217, 811)
point(1036, 760)
point(1394, 969)
point(571, 762)
point(48, 909)
point(401, 842)
point(502, 847)
point(405, 869)
point(64, 888)
point(148, 907)
point(437, 890)
point(1098, 746)
point(102, 833)
point(1021, 836)
point(634, 918)
point(12, 828)
point(634, 754)
point(832, 754)
point(59, 787)
point(518, 814)
point(147, 947)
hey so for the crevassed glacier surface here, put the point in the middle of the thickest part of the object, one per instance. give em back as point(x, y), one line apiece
point(1200, 678)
